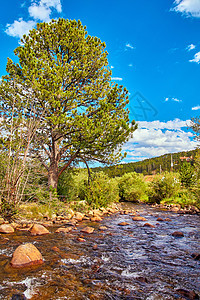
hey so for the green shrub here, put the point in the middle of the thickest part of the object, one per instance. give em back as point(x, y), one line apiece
point(164, 186)
point(132, 187)
point(101, 191)
point(187, 175)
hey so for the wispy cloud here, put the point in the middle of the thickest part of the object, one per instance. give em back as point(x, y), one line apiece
point(189, 8)
point(112, 67)
point(196, 107)
point(117, 78)
point(196, 58)
point(128, 45)
point(38, 10)
point(173, 99)
point(157, 138)
point(190, 47)
point(130, 65)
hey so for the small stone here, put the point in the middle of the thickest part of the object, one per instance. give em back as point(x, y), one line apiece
point(95, 247)
point(103, 228)
point(81, 239)
point(26, 255)
point(138, 218)
point(188, 294)
point(64, 229)
point(96, 219)
point(177, 234)
point(123, 224)
point(149, 225)
point(196, 256)
point(160, 219)
point(55, 249)
point(6, 228)
point(87, 229)
point(38, 229)
point(79, 216)
point(168, 220)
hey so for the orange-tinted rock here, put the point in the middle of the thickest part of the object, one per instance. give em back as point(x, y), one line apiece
point(168, 220)
point(56, 249)
point(26, 255)
point(96, 219)
point(177, 234)
point(103, 228)
point(79, 216)
point(6, 228)
point(95, 247)
point(138, 218)
point(123, 224)
point(38, 229)
point(149, 225)
point(160, 219)
point(81, 239)
point(87, 229)
point(64, 229)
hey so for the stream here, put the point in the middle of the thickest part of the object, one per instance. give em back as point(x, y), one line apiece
point(121, 262)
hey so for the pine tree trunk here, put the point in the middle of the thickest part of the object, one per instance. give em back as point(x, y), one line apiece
point(53, 175)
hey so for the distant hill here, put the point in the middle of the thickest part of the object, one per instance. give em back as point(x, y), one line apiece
point(149, 166)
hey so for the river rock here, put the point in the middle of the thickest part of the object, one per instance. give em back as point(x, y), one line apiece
point(160, 219)
point(26, 255)
point(38, 229)
point(81, 239)
point(6, 228)
point(103, 228)
point(87, 229)
point(96, 219)
point(177, 234)
point(148, 225)
point(139, 218)
point(79, 216)
point(123, 224)
point(64, 229)
point(168, 220)
point(188, 294)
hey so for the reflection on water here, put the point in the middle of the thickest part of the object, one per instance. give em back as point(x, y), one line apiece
point(129, 262)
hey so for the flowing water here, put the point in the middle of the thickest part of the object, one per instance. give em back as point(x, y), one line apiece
point(130, 262)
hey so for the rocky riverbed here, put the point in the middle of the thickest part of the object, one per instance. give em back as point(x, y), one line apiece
point(128, 252)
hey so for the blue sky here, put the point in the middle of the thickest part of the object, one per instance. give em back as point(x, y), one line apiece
point(154, 51)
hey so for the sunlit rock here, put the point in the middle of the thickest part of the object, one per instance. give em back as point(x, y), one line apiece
point(38, 229)
point(26, 255)
point(6, 228)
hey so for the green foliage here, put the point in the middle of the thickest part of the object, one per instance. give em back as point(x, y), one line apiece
point(132, 187)
point(8, 209)
point(65, 73)
point(101, 191)
point(164, 186)
point(187, 176)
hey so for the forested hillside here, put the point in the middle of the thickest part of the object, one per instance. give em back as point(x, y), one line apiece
point(149, 166)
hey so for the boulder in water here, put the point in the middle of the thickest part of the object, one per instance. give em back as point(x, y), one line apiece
point(87, 229)
point(139, 218)
point(177, 234)
point(38, 229)
point(6, 228)
point(26, 255)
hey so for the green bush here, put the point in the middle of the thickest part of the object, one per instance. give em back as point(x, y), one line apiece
point(101, 191)
point(132, 187)
point(164, 186)
point(187, 175)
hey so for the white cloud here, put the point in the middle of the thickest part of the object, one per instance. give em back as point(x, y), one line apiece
point(38, 10)
point(130, 65)
point(42, 10)
point(117, 78)
point(19, 28)
point(190, 47)
point(112, 67)
point(196, 58)
point(128, 45)
point(196, 107)
point(189, 8)
point(157, 138)
point(172, 99)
